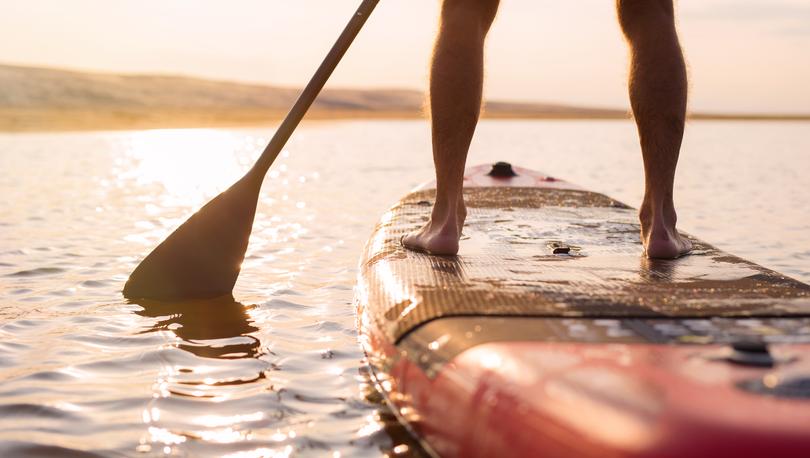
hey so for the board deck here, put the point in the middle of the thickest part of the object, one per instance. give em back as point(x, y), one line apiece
point(552, 312)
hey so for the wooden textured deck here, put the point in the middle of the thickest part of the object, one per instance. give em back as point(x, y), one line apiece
point(506, 266)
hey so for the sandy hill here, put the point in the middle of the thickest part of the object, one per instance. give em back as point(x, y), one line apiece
point(33, 98)
point(43, 98)
point(44, 88)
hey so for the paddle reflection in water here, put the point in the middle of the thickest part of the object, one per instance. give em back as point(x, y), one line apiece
point(207, 390)
point(219, 390)
point(212, 328)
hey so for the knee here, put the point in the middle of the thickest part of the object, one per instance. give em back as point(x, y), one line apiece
point(640, 18)
point(481, 12)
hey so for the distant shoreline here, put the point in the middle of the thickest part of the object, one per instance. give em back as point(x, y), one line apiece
point(56, 120)
point(37, 99)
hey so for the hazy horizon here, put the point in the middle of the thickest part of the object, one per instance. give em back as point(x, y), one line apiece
point(744, 56)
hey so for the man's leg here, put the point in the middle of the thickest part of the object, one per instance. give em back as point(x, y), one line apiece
point(658, 97)
point(456, 82)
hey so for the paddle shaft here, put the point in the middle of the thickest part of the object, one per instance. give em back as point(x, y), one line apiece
point(314, 86)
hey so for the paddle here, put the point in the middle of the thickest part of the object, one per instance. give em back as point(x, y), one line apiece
point(202, 257)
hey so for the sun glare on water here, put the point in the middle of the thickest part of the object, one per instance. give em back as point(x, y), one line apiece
point(190, 165)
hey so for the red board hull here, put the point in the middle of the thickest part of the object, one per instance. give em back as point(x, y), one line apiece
point(541, 398)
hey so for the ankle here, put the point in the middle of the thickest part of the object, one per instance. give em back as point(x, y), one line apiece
point(657, 212)
point(445, 207)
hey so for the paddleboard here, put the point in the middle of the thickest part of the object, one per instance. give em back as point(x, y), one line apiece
point(551, 335)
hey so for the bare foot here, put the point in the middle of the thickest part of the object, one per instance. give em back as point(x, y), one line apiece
point(440, 235)
point(658, 233)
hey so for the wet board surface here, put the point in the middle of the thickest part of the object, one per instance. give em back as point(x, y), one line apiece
point(507, 266)
point(546, 264)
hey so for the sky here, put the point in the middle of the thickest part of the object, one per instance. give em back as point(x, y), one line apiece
point(743, 55)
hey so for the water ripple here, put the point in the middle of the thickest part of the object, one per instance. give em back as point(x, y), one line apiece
point(37, 272)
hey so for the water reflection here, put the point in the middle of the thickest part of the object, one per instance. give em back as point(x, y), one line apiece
point(211, 328)
point(657, 270)
point(207, 392)
point(189, 165)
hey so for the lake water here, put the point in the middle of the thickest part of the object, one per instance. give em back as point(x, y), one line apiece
point(280, 372)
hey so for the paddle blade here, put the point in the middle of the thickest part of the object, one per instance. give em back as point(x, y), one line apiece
point(202, 257)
